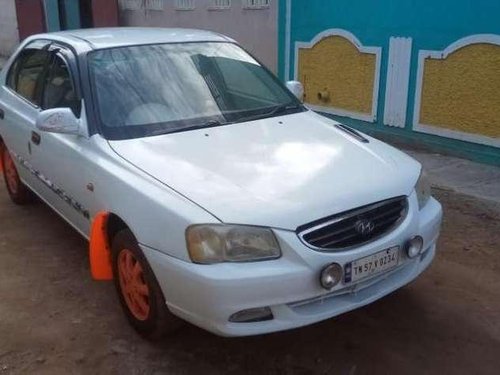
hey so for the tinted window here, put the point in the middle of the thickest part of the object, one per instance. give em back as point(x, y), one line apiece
point(244, 79)
point(26, 72)
point(58, 91)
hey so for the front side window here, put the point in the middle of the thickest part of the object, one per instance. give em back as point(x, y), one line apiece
point(58, 91)
point(26, 72)
point(157, 89)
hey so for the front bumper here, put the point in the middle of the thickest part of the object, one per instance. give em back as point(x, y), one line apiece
point(207, 295)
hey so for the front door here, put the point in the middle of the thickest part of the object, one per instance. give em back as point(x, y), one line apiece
point(59, 158)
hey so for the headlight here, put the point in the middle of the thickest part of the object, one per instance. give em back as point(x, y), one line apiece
point(423, 190)
point(216, 243)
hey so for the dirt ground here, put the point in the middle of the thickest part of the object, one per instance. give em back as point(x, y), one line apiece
point(55, 320)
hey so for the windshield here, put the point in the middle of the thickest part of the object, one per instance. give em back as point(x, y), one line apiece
point(156, 89)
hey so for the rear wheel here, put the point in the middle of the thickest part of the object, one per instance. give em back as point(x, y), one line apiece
point(18, 192)
point(138, 290)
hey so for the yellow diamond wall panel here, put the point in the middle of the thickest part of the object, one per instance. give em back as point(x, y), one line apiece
point(462, 92)
point(336, 74)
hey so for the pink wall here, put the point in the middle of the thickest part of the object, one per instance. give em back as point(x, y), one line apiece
point(105, 13)
point(30, 17)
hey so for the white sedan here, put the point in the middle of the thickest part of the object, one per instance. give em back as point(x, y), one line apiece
point(207, 191)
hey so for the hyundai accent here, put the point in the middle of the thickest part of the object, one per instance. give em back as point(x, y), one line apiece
point(207, 191)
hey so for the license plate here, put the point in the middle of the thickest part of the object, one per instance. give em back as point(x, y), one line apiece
point(371, 265)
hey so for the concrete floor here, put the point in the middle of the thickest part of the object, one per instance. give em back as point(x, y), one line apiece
point(55, 320)
point(461, 175)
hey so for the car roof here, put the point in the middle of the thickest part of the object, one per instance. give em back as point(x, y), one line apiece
point(98, 38)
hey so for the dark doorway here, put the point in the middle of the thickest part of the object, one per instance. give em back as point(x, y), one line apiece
point(86, 13)
point(63, 21)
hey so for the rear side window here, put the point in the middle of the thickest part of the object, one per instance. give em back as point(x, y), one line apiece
point(26, 72)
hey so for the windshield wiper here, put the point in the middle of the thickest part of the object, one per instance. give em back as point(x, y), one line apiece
point(207, 124)
point(213, 122)
point(275, 111)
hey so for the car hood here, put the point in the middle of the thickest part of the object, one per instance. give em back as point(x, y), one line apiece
point(280, 172)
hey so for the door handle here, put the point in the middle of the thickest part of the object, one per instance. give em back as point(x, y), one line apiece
point(35, 138)
point(2, 114)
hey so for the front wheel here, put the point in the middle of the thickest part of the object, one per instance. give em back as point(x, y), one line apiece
point(18, 192)
point(138, 290)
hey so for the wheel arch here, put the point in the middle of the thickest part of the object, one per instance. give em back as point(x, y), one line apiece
point(105, 226)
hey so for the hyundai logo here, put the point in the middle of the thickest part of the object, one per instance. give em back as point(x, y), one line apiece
point(364, 227)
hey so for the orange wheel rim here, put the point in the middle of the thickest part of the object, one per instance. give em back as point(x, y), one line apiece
point(11, 176)
point(134, 289)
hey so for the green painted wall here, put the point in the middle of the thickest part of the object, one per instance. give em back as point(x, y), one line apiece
point(53, 18)
point(52, 15)
point(72, 9)
point(431, 25)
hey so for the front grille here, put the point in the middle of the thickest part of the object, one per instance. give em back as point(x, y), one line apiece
point(354, 227)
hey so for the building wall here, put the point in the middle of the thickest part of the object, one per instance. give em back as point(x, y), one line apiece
point(346, 84)
point(104, 13)
point(9, 34)
point(462, 92)
point(51, 16)
point(438, 78)
point(254, 29)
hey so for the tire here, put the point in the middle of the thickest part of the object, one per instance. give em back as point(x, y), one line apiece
point(18, 192)
point(138, 290)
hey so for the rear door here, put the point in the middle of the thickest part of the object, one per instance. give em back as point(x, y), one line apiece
point(20, 97)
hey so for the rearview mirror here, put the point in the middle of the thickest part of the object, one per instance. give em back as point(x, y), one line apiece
point(58, 120)
point(296, 88)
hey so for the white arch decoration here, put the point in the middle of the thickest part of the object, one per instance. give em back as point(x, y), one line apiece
point(377, 51)
point(425, 54)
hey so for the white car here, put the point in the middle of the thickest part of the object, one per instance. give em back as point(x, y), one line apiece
point(207, 191)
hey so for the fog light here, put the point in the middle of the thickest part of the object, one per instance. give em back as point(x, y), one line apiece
point(414, 246)
point(259, 314)
point(331, 276)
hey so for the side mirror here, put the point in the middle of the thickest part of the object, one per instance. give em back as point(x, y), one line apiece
point(58, 120)
point(296, 88)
